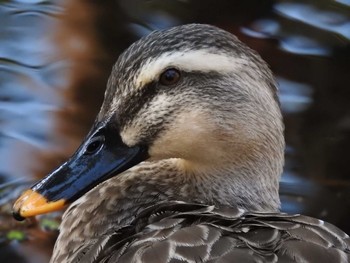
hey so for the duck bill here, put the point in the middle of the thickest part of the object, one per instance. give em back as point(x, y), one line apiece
point(101, 156)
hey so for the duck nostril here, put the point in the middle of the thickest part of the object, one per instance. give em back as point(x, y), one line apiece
point(95, 145)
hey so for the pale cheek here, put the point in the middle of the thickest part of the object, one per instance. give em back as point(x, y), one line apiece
point(130, 136)
point(159, 107)
point(188, 138)
point(175, 144)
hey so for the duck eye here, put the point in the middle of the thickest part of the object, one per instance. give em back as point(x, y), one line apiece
point(94, 145)
point(169, 77)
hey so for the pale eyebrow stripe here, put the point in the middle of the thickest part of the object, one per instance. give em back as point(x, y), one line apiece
point(190, 60)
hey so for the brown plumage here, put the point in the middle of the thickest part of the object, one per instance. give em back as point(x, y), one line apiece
point(183, 163)
point(184, 232)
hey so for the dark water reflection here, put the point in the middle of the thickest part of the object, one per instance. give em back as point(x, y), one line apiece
point(55, 57)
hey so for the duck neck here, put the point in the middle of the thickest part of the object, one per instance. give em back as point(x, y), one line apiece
point(253, 187)
point(115, 203)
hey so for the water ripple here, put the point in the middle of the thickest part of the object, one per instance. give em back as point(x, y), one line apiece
point(326, 20)
point(344, 2)
point(30, 76)
point(298, 44)
point(304, 46)
point(295, 97)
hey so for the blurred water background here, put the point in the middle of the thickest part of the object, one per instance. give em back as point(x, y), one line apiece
point(55, 57)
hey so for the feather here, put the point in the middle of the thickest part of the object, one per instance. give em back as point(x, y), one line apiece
point(205, 236)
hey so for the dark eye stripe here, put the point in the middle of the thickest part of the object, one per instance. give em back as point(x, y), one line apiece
point(137, 101)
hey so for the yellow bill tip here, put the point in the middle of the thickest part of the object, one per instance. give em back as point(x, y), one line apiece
point(31, 203)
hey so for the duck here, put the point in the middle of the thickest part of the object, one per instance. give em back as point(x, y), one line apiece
point(182, 163)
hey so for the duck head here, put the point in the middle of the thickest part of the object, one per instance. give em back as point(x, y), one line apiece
point(193, 94)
